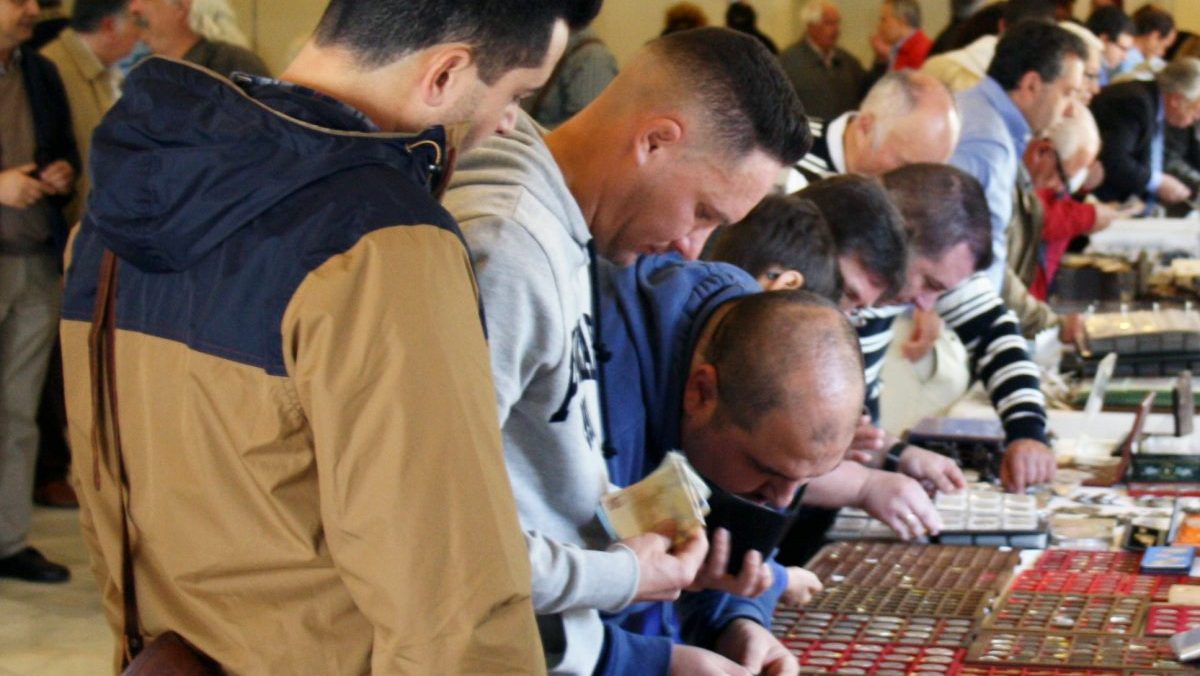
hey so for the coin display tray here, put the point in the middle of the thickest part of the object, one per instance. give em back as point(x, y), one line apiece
point(902, 601)
point(817, 626)
point(1126, 653)
point(1082, 561)
point(980, 510)
point(850, 658)
point(1076, 613)
point(974, 670)
point(1154, 587)
point(890, 565)
point(1168, 620)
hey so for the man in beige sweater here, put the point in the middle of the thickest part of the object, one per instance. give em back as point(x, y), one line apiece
point(101, 33)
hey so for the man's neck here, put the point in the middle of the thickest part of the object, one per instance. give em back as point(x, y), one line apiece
point(7, 54)
point(1145, 45)
point(333, 72)
point(572, 150)
point(825, 54)
point(850, 145)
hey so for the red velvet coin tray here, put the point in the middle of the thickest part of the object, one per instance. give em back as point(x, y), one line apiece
point(1168, 620)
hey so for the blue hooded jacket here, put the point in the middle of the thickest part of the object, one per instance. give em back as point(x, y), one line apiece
point(652, 316)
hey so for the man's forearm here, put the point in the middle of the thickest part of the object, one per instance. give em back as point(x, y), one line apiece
point(840, 488)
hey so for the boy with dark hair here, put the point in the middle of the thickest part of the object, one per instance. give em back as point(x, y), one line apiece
point(785, 243)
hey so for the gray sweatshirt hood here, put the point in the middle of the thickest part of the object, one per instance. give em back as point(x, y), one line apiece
point(519, 158)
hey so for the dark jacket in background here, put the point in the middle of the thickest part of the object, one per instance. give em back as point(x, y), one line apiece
point(1127, 114)
point(54, 137)
point(1181, 155)
point(226, 58)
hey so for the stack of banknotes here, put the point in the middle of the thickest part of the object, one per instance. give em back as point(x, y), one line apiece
point(672, 500)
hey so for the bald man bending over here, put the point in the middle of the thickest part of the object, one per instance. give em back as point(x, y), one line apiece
point(689, 136)
point(906, 118)
point(761, 392)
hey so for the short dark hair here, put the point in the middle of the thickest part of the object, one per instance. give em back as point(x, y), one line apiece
point(504, 34)
point(1033, 47)
point(943, 206)
point(865, 224)
point(765, 338)
point(787, 232)
point(1152, 19)
point(1110, 20)
point(1016, 11)
point(741, 87)
point(87, 15)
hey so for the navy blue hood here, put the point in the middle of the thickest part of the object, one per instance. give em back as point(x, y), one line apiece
point(186, 158)
point(654, 313)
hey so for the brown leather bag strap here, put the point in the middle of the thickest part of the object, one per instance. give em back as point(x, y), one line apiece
point(103, 366)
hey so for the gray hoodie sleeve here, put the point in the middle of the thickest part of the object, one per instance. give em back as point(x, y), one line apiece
point(556, 480)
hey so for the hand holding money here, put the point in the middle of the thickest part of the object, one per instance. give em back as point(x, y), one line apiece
point(666, 569)
point(672, 500)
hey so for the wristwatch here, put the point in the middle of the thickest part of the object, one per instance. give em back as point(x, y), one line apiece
point(891, 461)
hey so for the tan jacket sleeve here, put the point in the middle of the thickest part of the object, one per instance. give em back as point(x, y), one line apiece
point(947, 70)
point(1033, 315)
point(386, 350)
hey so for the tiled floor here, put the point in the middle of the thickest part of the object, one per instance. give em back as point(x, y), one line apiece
point(55, 629)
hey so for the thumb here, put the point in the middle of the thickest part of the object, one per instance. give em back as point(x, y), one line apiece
point(692, 552)
point(755, 656)
point(26, 168)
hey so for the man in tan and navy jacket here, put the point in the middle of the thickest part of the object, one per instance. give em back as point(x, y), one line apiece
point(316, 481)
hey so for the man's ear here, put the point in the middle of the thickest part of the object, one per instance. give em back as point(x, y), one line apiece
point(447, 73)
point(656, 137)
point(790, 280)
point(700, 393)
point(865, 123)
point(1030, 84)
point(786, 280)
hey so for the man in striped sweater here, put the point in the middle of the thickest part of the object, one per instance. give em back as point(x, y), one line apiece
point(908, 118)
point(945, 216)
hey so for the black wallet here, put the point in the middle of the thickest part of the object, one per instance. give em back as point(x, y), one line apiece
point(750, 525)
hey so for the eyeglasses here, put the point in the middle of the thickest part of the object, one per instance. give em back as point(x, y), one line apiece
point(1062, 171)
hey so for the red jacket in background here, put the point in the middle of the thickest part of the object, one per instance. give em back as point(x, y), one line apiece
point(1066, 219)
point(913, 51)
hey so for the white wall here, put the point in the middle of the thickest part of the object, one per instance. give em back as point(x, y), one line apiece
point(275, 27)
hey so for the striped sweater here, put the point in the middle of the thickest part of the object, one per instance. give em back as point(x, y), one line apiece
point(993, 340)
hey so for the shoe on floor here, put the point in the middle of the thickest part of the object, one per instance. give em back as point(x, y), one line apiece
point(29, 565)
point(57, 494)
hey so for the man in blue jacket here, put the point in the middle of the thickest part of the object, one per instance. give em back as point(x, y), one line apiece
point(705, 363)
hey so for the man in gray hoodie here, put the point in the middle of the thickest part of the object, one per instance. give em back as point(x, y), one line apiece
point(687, 138)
